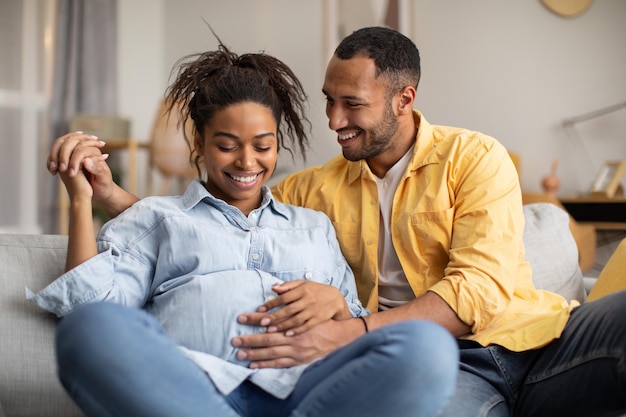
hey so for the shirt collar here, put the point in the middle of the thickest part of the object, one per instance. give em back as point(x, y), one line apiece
point(425, 152)
point(196, 193)
point(356, 168)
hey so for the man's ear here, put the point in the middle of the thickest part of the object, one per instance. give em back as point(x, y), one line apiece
point(406, 100)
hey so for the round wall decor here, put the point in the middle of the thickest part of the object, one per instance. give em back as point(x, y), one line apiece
point(568, 8)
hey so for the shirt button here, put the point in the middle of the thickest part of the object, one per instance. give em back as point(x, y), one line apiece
point(308, 275)
point(255, 256)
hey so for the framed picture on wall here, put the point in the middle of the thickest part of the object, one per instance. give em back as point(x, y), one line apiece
point(608, 179)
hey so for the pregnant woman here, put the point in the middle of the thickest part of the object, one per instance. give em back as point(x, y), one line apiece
point(150, 305)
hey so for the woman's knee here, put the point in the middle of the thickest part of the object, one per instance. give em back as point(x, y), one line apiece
point(89, 330)
point(86, 320)
point(424, 336)
point(423, 347)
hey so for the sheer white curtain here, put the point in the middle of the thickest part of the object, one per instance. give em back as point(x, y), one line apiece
point(25, 75)
point(57, 58)
point(85, 73)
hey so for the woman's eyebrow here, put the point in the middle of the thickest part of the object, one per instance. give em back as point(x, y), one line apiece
point(220, 133)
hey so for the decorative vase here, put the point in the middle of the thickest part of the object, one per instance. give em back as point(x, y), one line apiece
point(551, 182)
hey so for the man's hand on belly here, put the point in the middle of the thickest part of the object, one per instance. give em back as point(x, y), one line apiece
point(299, 306)
point(275, 350)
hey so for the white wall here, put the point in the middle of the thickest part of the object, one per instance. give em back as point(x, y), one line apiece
point(286, 29)
point(142, 74)
point(515, 70)
point(511, 69)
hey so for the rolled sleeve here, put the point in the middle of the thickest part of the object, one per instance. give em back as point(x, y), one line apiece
point(98, 279)
point(487, 246)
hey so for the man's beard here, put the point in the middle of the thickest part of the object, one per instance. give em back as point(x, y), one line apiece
point(380, 135)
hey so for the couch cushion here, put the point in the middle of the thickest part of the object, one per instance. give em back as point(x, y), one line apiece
point(28, 383)
point(552, 251)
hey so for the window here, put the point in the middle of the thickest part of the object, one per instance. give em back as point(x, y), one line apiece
point(26, 31)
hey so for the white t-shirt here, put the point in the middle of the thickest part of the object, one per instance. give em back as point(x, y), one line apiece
point(393, 287)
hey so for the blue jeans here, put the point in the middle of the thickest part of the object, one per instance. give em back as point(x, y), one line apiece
point(117, 361)
point(582, 373)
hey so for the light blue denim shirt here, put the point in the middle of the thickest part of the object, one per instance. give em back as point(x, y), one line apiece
point(196, 263)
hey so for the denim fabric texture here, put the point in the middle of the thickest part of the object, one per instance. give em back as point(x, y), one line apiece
point(196, 263)
point(582, 373)
point(402, 370)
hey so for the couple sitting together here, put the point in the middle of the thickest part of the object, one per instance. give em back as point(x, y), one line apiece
point(390, 281)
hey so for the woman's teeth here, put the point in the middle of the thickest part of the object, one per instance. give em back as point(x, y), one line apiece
point(245, 180)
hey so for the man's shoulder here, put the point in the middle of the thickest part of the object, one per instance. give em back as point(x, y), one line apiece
point(298, 216)
point(316, 176)
point(468, 137)
point(448, 140)
point(321, 172)
point(311, 186)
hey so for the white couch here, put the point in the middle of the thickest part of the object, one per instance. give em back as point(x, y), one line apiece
point(28, 382)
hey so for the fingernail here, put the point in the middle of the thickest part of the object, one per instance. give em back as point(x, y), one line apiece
point(262, 309)
point(52, 165)
point(105, 156)
point(93, 136)
point(253, 365)
point(289, 333)
point(265, 321)
point(63, 166)
point(272, 329)
point(236, 342)
point(242, 319)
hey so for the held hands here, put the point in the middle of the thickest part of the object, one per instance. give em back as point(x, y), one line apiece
point(275, 350)
point(78, 160)
point(305, 304)
point(311, 323)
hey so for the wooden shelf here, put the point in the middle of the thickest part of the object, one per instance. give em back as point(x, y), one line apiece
point(604, 213)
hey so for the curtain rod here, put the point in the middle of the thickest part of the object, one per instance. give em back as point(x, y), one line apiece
point(594, 114)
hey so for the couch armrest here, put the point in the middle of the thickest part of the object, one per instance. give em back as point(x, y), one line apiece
point(28, 382)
